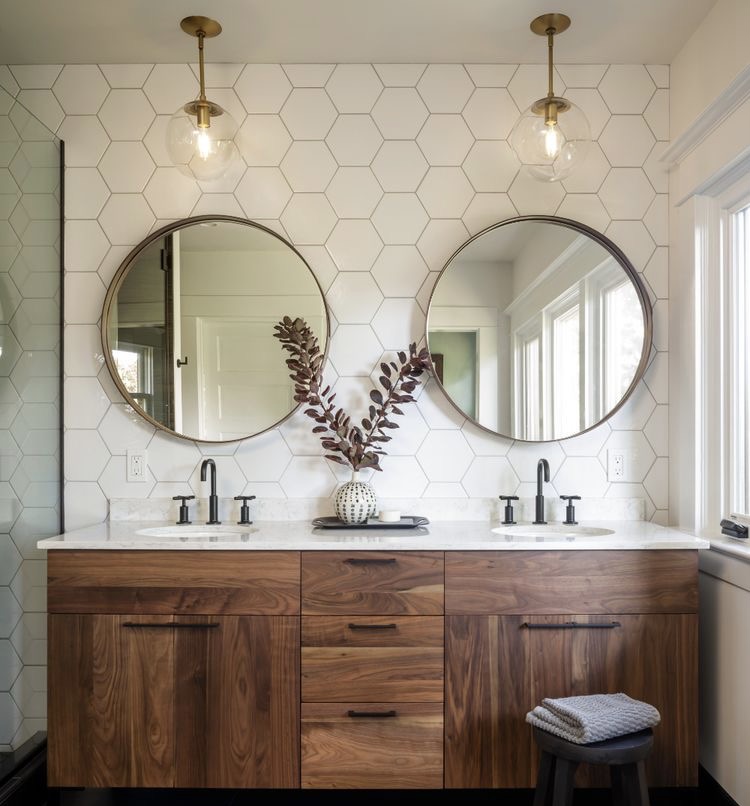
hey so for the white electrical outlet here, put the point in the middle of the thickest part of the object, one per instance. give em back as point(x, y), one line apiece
point(620, 464)
point(136, 465)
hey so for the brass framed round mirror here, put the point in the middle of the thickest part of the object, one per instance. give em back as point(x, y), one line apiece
point(539, 328)
point(188, 327)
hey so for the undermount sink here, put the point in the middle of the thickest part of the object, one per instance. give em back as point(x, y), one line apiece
point(198, 531)
point(555, 531)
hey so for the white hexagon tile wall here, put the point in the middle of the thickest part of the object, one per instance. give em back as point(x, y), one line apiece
point(376, 173)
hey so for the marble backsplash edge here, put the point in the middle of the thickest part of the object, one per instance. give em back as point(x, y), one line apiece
point(436, 509)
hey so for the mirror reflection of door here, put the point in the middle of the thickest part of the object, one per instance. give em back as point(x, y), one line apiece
point(458, 349)
point(141, 346)
point(190, 327)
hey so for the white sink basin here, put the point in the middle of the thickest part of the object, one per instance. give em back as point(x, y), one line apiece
point(553, 531)
point(198, 531)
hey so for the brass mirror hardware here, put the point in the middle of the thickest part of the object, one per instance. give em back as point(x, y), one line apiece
point(198, 144)
point(221, 264)
point(499, 315)
point(549, 148)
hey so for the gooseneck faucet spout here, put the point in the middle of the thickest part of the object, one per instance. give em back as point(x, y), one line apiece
point(213, 498)
point(542, 474)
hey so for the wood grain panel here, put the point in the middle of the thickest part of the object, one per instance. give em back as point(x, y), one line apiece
point(391, 631)
point(529, 582)
point(110, 702)
point(237, 703)
point(372, 582)
point(401, 752)
point(185, 582)
point(372, 674)
point(653, 658)
point(487, 695)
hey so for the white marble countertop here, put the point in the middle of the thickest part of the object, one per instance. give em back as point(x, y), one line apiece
point(439, 536)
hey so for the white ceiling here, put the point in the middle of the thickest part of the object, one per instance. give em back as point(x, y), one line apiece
point(470, 31)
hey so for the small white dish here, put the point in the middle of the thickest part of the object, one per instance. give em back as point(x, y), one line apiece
point(389, 515)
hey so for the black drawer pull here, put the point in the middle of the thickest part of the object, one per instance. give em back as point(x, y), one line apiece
point(370, 560)
point(171, 625)
point(571, 625)
point(373, 626)
point(370, 714)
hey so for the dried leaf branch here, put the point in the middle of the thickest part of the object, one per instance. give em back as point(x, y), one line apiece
point(359, 446)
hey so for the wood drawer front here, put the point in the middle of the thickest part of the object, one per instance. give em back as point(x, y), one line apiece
point(179, 582)
point(404, 751)
point(372, 659)
point(359, 631)
point(569, 582)
point(372, 582)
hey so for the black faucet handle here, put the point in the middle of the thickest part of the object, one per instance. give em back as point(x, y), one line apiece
point(244, 509)
point(570, 510)
point(508, 515)
point(184, 515)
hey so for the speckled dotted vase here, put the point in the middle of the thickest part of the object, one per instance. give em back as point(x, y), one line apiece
point(355, 501)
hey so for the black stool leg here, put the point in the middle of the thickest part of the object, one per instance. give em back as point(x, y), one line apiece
point(564, 773)
point(634, 787)
point(615, 775)
point(544, 779)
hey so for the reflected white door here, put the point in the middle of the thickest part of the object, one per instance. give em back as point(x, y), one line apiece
point(245, 384)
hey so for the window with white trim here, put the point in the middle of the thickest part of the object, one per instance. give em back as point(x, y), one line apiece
point(737, 359)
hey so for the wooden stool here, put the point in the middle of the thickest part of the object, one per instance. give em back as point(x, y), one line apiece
point(625, 756)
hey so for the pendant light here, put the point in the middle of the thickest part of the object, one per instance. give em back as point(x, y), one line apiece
point(552, 135)
point(200, 134)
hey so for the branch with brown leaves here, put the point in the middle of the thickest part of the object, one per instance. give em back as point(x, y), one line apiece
point(359, 446)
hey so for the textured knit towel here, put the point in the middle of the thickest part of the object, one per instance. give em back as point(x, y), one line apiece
point(594, 717)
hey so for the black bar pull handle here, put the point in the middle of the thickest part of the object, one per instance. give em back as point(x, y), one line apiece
point(170, 625)
point(371, 714)
point(571, 625)
point(370, 560)
point(373, 626)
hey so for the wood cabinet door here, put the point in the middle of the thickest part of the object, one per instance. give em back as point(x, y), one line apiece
point(651, 657)
point(500, 667)
point(110, 713)
point(159, 701)
point(237, 701)
point(487, 695)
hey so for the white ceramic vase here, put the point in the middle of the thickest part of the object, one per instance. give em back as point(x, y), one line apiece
point(355, 500)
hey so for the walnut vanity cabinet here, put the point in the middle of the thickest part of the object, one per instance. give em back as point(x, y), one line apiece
point(372, 670)
point(521, 626)
point(173, 669)
point(355, 669)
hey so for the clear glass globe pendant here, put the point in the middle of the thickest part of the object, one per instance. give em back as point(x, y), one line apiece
point(200, 134)
point(552, 136)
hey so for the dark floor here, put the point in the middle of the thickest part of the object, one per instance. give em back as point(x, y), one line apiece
point(23, 784)
point(704, 796)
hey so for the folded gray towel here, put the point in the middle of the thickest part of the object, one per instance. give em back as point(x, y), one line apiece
point(593, 717)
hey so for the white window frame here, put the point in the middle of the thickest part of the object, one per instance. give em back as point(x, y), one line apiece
point(715, 299)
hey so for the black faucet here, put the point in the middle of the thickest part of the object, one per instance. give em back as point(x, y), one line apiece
point(213, 499)
point(542, 467)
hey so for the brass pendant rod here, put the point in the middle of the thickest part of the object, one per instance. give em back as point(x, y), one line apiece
point(201, 36)
point(550, 61)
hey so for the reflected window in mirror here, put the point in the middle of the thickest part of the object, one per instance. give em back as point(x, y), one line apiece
point(561, 325)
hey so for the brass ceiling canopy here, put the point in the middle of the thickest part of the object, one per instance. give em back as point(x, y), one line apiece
point(201, 26)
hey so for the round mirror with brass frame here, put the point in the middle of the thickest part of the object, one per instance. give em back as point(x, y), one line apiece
point(188, 327)
point(539, 328)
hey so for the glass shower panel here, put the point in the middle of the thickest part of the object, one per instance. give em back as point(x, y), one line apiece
point(30, 407)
